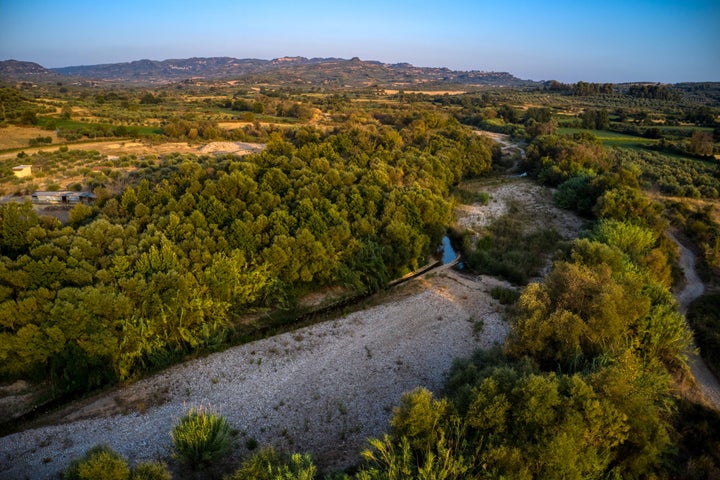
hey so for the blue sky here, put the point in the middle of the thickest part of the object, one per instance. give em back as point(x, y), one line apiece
point(609, 41)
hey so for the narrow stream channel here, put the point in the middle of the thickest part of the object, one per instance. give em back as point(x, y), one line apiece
point(446, 252)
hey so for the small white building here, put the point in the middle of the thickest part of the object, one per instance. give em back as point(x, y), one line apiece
point(22, 171)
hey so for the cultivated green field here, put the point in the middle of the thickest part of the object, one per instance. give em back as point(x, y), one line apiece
point(611, 139)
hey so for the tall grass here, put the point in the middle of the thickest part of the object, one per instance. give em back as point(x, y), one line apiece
point(506, 250)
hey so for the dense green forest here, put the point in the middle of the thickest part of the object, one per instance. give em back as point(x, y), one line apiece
point(170, 264)
point(354, 189)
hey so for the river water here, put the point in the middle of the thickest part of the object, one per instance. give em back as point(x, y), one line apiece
point(447, 251)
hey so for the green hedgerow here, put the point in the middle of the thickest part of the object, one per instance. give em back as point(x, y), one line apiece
point(201, 436)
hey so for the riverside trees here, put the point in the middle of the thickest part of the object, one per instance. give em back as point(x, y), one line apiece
point(166, 266)
point(583, 386)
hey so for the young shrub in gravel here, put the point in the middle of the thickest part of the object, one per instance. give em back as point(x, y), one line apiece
point(151, 471)
point(99, 462)
point(200, 437)
point(506, 296)
point(267, 464)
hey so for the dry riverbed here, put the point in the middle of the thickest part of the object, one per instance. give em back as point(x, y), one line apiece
point(324, 389)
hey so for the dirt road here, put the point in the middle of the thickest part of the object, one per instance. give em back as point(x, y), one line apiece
point(694, 288)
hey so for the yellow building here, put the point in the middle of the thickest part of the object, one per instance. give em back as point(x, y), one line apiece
point(22, 171)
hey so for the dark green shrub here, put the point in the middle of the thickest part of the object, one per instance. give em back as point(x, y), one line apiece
point(577, 193)
point(201, 436)
point(267, 464)
point(251, 444)
point(505, 296)
point(151, 471)
point(704, 316)
point(99, 462)
point(79, 213)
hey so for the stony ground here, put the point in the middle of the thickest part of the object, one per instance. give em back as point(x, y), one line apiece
point(532, 202)
point(323, 389)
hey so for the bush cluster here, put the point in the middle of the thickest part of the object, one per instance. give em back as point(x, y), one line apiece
point(201, 437)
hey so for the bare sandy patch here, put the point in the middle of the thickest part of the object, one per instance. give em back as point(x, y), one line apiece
point(507, 145)
point(233, 125)
point(531, 201)
point(426, 92)
point(131, 147)
point(237, 148)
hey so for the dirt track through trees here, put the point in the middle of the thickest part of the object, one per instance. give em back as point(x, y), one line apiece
point(694, 288)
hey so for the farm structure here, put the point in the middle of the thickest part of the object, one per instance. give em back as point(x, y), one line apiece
point(63, 197)
point(22, 171)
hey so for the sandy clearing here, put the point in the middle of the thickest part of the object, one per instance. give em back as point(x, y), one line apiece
point(233, 125)
point(129, 147)
point(513, 150)
point(324, 389)
point(237, 148)
point(534, 204)
point(13, 136)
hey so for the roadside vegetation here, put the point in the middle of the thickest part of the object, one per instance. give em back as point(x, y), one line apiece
point(354, 189)
point(704, 317)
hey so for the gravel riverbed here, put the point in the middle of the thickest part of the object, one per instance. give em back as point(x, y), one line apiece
point(324, 389)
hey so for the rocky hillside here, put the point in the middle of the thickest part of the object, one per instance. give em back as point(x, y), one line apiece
point(335, 72)
point(24, 71)
point(152, 70)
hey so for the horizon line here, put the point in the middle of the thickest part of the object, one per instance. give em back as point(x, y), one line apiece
point(290, 57)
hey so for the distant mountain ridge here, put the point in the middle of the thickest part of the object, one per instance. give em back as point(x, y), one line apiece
point(18, 70)
point(299, 70)
point(174, 69)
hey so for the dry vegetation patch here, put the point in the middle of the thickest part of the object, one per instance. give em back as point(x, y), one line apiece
point(696, 204)
point(13, 136)
point(527, 200)
point(426, 92)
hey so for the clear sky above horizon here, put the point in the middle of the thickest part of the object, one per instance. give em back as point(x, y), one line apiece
point(609, 41)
